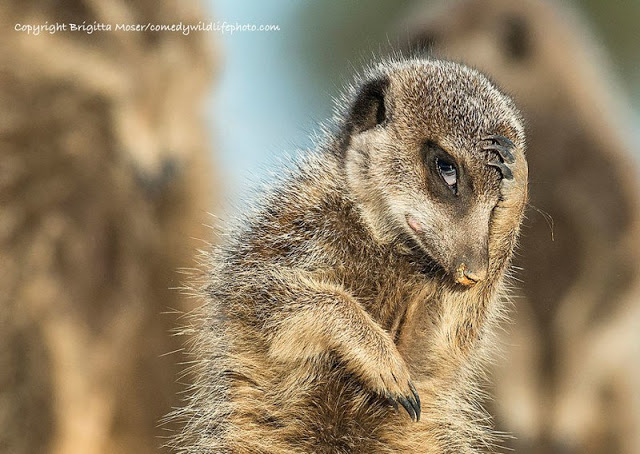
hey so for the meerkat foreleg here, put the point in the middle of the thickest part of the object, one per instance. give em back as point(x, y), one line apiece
point(511, 163)
point(326, 318)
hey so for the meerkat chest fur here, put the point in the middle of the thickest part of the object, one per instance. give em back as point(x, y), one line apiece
point(352, 312)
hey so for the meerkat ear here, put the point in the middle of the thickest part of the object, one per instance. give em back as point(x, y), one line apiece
point(369, 109)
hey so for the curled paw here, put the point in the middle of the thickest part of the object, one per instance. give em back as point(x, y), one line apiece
point(502, 154)
point(393, 383)
point(505, 156)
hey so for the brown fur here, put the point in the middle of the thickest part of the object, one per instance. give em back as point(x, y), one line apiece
point(103, 181)
point(569, 382)
point(325, 301)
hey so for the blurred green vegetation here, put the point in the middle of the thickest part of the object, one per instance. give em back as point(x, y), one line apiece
point(616, 26)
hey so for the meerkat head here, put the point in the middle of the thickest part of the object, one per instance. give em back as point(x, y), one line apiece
point(415, 163)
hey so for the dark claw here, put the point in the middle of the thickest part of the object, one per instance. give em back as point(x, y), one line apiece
point(500, 140)
point(502, 146)
point(506, 171)
point(407, 406)
point(504, 152)
point(414, 406)
point(418, 405)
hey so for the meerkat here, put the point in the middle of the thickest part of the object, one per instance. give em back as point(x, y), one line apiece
point(570, 380)
point(105, 178)
point(352, 311)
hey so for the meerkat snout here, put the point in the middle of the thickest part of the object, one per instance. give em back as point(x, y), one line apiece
point(468, 268)
point(472, 266)
point(468, 275)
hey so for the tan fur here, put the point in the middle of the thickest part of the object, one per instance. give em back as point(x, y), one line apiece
point(570, 378)
point(324, 302)
point(104, 180)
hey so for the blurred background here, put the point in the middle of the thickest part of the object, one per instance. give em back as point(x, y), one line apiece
point(275, 87)
point(117, 146)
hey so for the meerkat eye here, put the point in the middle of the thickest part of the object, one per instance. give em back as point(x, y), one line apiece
point(448, 172)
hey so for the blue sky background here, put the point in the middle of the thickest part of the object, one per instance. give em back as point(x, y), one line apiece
point(263, 105)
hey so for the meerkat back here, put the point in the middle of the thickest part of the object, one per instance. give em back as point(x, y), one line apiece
point(352, 311)
point(570, 380)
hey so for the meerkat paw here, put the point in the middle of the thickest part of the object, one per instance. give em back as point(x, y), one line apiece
point(410, 402)
point(390, 379)
point(509, 160)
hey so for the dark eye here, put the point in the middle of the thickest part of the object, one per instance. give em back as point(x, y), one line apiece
point(448, 172)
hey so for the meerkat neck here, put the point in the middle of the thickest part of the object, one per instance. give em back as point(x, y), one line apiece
point(369, 203)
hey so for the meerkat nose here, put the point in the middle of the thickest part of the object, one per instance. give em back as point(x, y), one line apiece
point(469, 277)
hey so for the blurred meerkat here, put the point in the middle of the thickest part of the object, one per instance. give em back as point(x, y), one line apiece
point(369, 278)
point(104, 181)
point(570, 381)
